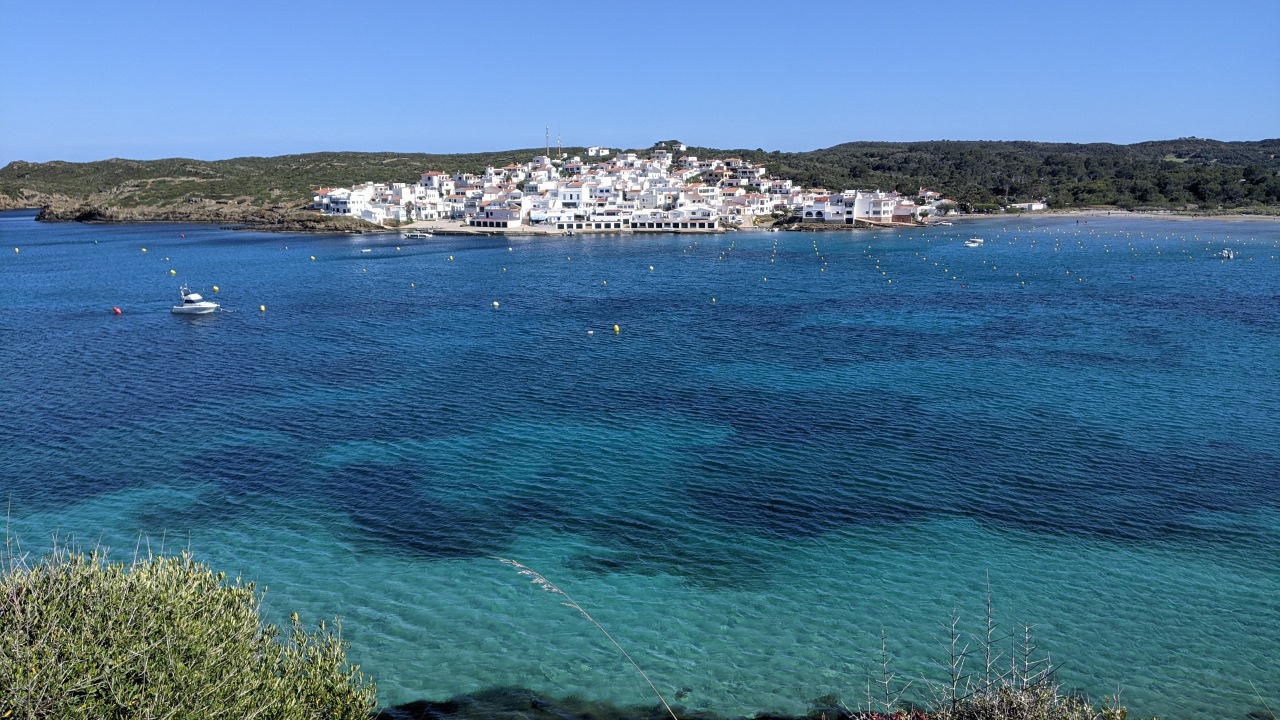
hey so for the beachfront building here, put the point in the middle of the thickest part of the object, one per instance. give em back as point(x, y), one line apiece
point(1029, 206)
point(853, 206)
point(691, 218)
point(508, 214)
point(345, 201)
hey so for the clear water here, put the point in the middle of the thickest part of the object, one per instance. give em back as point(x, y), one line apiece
point(779, 454)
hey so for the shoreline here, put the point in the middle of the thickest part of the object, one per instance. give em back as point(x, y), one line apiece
point(322, 224)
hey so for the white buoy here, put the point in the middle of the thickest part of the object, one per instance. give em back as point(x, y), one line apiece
point(495, 303)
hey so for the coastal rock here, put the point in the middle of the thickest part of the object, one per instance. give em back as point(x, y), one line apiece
point(250, 217)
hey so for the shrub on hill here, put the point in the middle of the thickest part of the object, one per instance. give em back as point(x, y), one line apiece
point(161, 637)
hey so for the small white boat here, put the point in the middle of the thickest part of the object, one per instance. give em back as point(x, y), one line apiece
point(416, 234)
point(973, 242)
point(1229, 254)
point(193, 304)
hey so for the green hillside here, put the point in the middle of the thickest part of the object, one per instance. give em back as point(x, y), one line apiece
point(1164, 174)
point(1187, 173)
point(285, 181)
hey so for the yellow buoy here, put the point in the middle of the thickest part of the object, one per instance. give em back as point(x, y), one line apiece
point(604, 282)
point(262, 308)
point(144, 249)
point(508, 249)
point(215, 288)
point(313, 258)
point(713, 300)
point(397, 248)
point(412, 285)
point(650, 268)
point(173, 272)
point(616, 330)
point(450, 258)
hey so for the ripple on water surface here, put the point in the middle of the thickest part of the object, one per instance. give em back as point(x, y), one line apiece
point(742, 491)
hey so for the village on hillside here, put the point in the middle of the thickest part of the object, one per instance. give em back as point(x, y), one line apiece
point(662, 192)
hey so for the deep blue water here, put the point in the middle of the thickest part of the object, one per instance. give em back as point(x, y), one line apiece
point(793, 441)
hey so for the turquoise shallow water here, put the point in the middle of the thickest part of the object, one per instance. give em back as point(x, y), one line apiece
point(779, 454)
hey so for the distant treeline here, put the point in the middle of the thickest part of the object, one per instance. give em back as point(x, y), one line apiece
point(1206, 174)
point(1188, 173)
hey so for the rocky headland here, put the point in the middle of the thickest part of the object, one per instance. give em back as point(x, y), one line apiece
point(248, 217)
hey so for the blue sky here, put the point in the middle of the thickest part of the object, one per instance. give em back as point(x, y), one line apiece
point(93, 80)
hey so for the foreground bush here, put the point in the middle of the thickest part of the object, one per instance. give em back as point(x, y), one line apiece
point(160, 638)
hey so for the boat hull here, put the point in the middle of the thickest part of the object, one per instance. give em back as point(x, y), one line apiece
point(203, 308)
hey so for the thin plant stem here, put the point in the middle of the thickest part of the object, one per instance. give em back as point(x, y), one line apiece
point(541, 581)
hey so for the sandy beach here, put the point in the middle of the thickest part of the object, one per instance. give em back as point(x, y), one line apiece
point(1148, 215)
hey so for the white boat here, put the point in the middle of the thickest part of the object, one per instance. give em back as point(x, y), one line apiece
point(1229, 254)
point(193, 304)
point(973, 242)
point(416, 234)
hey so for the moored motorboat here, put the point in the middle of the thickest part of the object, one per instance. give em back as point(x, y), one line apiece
point(416, 234)
point(973, 242)
point(193, 303)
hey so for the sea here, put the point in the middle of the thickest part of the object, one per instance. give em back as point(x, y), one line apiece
point(768, 465)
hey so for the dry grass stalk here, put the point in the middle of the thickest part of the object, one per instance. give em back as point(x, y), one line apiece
point(538, 579)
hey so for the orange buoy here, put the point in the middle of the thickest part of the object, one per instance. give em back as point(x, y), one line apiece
point(115, 310)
